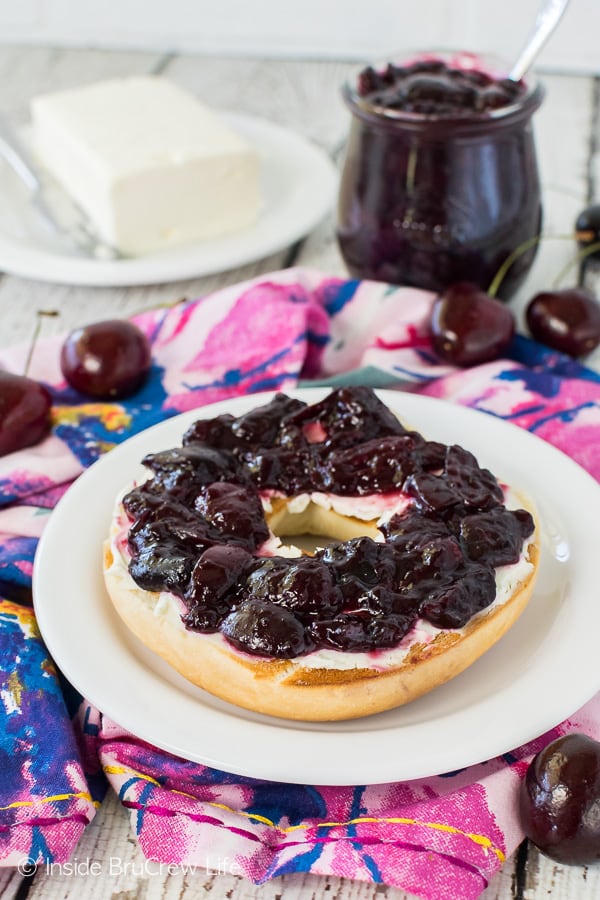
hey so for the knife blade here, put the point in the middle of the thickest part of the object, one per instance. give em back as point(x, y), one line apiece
point(54, 207)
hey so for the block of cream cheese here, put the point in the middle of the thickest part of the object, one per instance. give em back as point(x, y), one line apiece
point(151, 165)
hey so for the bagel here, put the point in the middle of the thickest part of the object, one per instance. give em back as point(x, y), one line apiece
point(420, 559)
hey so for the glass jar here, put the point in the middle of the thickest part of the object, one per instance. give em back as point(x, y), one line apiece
point(432, 199)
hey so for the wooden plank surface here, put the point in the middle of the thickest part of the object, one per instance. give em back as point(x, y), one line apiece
point(303, 96)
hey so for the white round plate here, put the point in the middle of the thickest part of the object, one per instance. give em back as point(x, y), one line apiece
point(299, 184)
point(544, 669)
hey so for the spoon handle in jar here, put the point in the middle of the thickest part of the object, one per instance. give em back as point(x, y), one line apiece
point(547, 20)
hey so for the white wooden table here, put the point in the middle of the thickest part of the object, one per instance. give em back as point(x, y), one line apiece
point(303, 96)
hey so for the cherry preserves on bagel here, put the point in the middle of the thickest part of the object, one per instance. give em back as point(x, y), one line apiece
point(422, 563)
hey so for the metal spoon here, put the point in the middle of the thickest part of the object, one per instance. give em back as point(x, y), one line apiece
point(548, 18)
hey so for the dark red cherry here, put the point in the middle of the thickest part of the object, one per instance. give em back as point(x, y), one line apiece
point(107, 360)
point(468, 326)
point(587, 229)
point(560, 800)
point(567, 320)
point(24, 412)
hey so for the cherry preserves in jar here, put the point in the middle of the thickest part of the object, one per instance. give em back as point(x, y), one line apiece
point(440, 182)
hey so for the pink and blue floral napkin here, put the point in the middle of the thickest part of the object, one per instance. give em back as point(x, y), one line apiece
point(438, 837)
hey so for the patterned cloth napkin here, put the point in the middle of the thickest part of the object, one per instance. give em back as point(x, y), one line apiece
point(438, 837)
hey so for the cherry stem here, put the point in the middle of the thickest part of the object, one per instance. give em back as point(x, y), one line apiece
point(510, 259)
point(591, 248)
point(516, 253)
point(50, 313)
point(163, 305)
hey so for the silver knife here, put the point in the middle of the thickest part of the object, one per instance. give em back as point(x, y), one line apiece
point(55, 209)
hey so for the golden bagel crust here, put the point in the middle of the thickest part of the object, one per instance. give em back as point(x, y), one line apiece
point(289, 688)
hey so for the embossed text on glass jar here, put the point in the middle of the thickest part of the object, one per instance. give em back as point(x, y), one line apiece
point(432, 199)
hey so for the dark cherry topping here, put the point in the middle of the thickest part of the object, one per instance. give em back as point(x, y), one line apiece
point(197, 528)
point(261, 427)
point(216, 432)
point(476, 487)
point(453, 604)
point(378, 465)
point(460, 483)
point(264, 582)
point(213, 588)
point(347, 416)
point(310, 590)
point(432, 493)
point(266, 629)
point(235, 511)
point(413, 529)
point(279, 465)
point(184, 470)
point(495, 535)
point(216, 573)
point(433, 87)
point(355, 632)
point(159, 567)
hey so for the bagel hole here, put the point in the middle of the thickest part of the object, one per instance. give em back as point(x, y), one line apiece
point(306, 543)
point(314, 527)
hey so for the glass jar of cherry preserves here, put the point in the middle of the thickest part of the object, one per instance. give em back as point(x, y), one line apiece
point(440, 182)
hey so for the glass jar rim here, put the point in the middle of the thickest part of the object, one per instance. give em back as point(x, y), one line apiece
point(522, 108)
